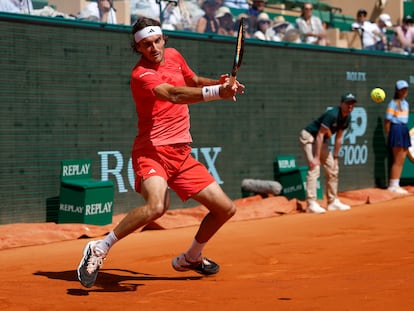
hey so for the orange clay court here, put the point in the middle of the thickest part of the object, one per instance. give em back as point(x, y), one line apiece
point(362, 259)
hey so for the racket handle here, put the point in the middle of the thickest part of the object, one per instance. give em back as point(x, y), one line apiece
point(232, 80)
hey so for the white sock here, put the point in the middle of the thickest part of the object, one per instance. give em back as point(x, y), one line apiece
point(108, 242)
point(193, 254)
point(394, 183)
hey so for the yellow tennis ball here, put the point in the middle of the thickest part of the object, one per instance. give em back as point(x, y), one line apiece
point(378, 95)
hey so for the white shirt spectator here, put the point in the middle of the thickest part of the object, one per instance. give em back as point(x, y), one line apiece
point(313, 26)
point(369, 33)
point(16, 6)
point(184, 16)
point(263, 24)
point(91, 12)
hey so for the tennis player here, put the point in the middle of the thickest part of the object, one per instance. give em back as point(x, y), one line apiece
point(163, 85)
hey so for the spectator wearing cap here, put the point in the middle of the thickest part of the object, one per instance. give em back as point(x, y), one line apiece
point(247, 25)
point(368, 32)
point(310, 27)
point(403, 36)
point(226, 21)
point(398, 137)
point(208, 22)
point(383, 22)
point(263, 24)
point(314, 140)
point(282, 30)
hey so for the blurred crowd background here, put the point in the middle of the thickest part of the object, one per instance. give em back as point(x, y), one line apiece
point(384, 25)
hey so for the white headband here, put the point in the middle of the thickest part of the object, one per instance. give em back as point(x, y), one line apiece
point(146, 32)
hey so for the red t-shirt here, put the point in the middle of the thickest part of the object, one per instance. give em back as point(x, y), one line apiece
point(160, 122)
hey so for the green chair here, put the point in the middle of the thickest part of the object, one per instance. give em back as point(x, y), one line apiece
point(82, 198)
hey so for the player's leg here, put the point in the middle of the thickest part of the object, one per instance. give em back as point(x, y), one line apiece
point(221, 209)
point(154, 190)
point(194, 181)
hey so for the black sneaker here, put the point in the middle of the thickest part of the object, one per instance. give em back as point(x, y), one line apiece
point(90, 264)
point(205, 266)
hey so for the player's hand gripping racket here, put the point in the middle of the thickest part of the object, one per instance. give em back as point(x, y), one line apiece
point(238, 55)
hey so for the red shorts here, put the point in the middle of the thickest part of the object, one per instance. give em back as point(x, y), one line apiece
point(184, 174)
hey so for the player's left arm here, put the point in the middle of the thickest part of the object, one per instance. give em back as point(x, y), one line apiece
point(193, 94)
point(199, 81)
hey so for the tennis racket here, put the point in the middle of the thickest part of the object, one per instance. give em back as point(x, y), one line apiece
point(238, 55)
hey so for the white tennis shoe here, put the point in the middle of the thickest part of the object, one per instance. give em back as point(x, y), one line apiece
point(397, 189)
point(337, 205)
point(314, 207)
point(90, 264)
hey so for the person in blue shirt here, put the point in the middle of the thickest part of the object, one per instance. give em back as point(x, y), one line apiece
point(253, 13)
point(398, 137)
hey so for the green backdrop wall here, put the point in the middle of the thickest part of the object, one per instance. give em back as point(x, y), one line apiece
point(64, 94)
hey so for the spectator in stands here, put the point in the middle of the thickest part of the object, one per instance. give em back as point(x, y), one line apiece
point(26, 7)
point(100, 11)
point(185, 14)
point(175, 16)
point(181, 15)
point(281, 30)
point(208, 22)
point(292, 35)
point(226, 21)
point(369, 32)
point(314, 140)
point(383, 22)
point(310, 27)
point(247, 25)
point(403, 36)
point(263, 24)
point(277, 30)
point(256, 8)
point(236, 4)
point(16, 6)
point(398, 137)
point(253, 12)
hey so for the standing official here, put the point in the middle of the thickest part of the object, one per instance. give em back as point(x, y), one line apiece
point(314, 140)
